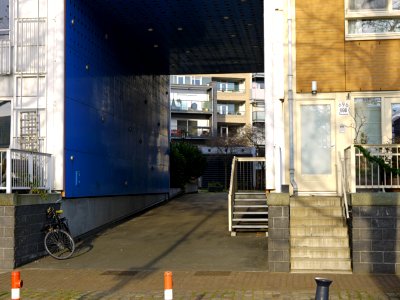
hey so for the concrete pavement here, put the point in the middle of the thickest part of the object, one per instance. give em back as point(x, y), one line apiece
point(188, 236)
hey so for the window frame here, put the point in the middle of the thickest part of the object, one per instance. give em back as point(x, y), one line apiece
point(370, 14)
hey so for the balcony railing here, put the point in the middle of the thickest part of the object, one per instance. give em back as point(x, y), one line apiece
point(25, 170)
point(5, 55)
point(373, 167)
point(191, 106)
point(232, 91)
point(191, 132)
point(258, 116)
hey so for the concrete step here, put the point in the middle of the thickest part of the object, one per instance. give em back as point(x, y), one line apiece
point(336, 242)
point(250, 220)
point(315, 201)
point(250, 200)
point(315, 211)
point(321, 264)
point(253, 195)
point(321, 231)
point(311, 252)
point(255, 226)
point(322, 221)
point(251, 206)
point(250, 213)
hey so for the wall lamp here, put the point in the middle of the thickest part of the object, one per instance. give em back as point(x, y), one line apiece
point(314, 87)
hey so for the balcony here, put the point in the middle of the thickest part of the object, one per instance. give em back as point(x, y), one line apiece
point(192, 132)
point(233, 95)
point(258, 116)
point(188, 106)
point(236, 117)
point(258, 94)
point(25, 170)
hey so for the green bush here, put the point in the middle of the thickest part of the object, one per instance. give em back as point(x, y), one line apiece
point(186, 163)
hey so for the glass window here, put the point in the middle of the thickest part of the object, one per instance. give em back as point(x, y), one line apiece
point(396, 123)
point(316, 139)
point(5, 123)
point(181, 79)
point(372, 18)
point(4, 17)
point(368, 129)
point(368, 4)
point(374, 26)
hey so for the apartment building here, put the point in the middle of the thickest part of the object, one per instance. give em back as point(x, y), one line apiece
point(209, 105)
point(346, 85)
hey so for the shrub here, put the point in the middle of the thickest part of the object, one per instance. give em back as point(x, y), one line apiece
point(186, 163)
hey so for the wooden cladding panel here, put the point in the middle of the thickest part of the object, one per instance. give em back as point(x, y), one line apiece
point(322, 54)
point(373, 65)
point(320, 45)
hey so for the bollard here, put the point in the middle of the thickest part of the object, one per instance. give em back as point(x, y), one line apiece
point(16, 284)
point(322, 292)
point(168, 295)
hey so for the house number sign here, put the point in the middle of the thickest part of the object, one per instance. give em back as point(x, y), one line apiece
point(344, 108)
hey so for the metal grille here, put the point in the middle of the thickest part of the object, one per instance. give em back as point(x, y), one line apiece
point(29, 131)
point(31, 46)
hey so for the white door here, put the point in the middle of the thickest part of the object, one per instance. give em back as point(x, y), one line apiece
point(315, 147)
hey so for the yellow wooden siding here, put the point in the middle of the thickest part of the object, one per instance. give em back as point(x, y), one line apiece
point(373, 65)
point(322, 54)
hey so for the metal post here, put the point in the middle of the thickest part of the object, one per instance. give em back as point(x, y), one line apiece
point(322, 292)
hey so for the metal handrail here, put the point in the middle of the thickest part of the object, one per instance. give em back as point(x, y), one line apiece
point(232, 190)
point(344, 188)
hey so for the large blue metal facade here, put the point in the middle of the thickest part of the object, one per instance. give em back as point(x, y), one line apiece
point(116, 120)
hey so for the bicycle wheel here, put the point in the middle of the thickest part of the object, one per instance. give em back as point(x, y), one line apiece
point(59, 244)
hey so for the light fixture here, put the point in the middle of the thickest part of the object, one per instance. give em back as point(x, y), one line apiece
point(313, 87)
point(348, 97)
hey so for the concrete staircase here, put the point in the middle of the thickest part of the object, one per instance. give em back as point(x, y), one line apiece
point(318, 235)
point(250, 212)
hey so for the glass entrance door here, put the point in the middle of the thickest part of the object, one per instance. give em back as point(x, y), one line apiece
point(315, 157)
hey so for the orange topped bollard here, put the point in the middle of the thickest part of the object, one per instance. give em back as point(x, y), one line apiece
point(168, 294)
point(16, 284)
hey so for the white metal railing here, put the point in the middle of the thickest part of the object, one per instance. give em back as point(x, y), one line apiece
point(25, 170)
point(364, 173)
point(247, 174)
point(5, 56)
point(231, 194)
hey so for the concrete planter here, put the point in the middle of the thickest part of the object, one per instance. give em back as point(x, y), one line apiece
point(191, 187)
point(22, 218)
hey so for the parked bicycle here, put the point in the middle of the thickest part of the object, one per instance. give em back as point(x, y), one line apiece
point(58, 240)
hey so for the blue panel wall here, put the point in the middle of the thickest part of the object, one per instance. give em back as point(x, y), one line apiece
point(116, 121)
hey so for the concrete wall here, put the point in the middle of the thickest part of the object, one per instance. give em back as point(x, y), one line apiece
point(86, 214)
point(376, 233)
point(278, 233)
point(22, 218)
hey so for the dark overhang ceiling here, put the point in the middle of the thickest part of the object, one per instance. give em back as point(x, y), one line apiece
point(189, 36)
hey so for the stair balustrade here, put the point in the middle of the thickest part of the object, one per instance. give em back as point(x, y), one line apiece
point(247, 206)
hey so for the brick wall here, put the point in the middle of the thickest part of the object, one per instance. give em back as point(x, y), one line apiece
point(278, 233)
point(376, 239)
point(22, 218)
point(7, 221)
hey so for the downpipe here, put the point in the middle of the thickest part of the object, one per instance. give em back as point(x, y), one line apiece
point(290, 100)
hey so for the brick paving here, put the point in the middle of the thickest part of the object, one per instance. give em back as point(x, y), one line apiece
point(148, 284)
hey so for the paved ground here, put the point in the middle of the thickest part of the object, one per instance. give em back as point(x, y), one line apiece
point(188, 236)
